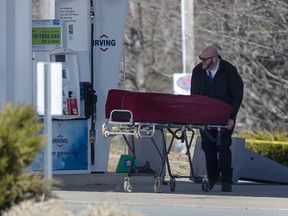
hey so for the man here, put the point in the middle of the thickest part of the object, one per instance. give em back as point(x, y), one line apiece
point(218, 79)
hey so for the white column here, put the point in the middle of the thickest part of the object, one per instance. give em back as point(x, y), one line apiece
point(3, 50)
point(15, 52)
point(110, 17)
point(23, 51)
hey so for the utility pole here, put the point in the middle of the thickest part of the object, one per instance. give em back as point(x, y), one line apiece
point(187, 23)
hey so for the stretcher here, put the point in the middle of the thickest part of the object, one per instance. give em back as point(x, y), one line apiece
point(136, 115)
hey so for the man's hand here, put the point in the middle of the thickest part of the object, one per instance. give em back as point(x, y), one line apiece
point(230, 124)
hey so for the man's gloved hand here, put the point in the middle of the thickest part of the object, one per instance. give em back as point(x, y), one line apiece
point(230, 124)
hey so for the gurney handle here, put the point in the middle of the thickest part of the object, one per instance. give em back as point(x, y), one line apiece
point(124, 117)
point(146, 130)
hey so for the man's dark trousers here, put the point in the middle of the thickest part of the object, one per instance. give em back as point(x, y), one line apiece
point(218, 157)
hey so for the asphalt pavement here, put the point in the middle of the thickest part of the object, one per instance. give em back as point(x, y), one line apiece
point(250, 198)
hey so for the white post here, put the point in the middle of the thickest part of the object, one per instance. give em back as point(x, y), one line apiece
point(49, 102)
point(190, 42)
point(183, 27)
point(47, 123)
point(187, 26)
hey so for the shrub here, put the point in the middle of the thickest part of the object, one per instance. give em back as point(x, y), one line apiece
point(32, 208)
point(59, 208)
point(20, 140)
point(276, 152)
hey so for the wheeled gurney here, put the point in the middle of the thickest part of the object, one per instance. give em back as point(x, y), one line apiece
point(141, 114)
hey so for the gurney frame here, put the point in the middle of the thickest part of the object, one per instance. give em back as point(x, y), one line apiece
point(121, 122)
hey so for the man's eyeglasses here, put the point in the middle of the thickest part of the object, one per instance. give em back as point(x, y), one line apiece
point(205, 59)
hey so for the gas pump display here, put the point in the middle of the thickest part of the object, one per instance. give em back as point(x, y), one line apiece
point(70, 76)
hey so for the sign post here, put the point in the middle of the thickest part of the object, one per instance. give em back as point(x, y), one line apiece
point(49, 102)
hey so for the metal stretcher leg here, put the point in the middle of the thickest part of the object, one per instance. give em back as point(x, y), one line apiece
point(196, 179)
point(127, 186)
point(188, 144)
point(158, 181)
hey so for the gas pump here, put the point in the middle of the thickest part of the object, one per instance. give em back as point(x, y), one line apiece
point(70, 144)
point(91, 60)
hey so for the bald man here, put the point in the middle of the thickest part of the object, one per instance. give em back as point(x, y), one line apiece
point(218, 79)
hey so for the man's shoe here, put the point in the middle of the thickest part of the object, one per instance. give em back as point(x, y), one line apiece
point(212, 183)
point(226, 187)
point(208, 185)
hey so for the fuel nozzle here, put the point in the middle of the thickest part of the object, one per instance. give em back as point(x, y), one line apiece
point(92, 136)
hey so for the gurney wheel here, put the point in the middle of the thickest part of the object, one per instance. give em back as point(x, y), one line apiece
point(205, 186)
point(172, 184)
point(127, 186)
point(158, 186)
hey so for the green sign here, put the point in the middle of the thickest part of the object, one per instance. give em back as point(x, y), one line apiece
point(46, 35)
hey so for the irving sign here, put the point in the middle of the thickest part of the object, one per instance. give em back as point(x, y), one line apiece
point(104, 42)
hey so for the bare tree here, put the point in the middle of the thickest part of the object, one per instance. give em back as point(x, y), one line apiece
point(43, 9)
point(158, 30)
point(252, 34)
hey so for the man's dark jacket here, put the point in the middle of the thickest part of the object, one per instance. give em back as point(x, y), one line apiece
point(226, 85)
